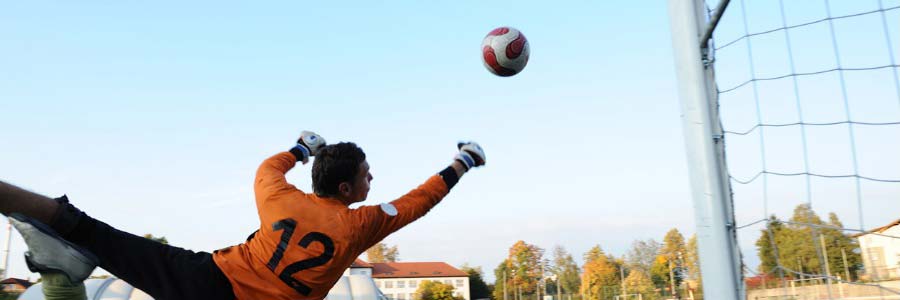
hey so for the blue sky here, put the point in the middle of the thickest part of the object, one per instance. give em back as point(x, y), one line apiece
point(154, 116)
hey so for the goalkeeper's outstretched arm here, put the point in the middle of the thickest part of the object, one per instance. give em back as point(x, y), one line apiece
point(378, 221)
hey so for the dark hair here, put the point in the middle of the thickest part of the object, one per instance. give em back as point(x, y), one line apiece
point(334, 164)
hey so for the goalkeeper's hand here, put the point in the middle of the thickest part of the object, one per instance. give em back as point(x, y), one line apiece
point(470, 155)
point(308, 145)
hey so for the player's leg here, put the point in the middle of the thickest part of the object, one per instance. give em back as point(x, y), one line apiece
point(57, 286)
point(14, 199)
point(163, 271)
point(63, 266)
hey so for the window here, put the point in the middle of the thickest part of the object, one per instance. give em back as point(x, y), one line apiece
point(389, 284)
point(448, 281)
point(413, 283)
point(401, 284)
point(401, 296)
point(459, 283)
point(412, 296)
point(378, 283)
point(389, 296)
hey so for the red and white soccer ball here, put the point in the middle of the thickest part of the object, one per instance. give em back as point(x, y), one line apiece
point(505, 51)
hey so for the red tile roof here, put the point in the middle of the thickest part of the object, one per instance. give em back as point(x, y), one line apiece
point(22, 282)
point(359, 263)
point(879, 229)
point(415, 270)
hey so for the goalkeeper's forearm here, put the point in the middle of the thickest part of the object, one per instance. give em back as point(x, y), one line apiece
point(459, 168)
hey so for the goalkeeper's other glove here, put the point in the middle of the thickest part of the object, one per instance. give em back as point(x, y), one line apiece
point(470, 155)
point(308, 145)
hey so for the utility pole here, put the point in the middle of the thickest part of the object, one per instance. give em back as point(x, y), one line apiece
point(672, 280)
point(518, 293)
point(558, 289)
point(6, 250)
point(622, 275)
point(540, 287)
point(827, 269)
point(504, 286)
point(846, 268)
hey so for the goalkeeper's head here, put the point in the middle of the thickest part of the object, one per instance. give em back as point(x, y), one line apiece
point(340, 171)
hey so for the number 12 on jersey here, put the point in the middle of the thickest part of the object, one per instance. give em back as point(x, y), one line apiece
point(287, 227)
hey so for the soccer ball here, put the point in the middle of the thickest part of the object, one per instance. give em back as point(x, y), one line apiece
point(505, 51)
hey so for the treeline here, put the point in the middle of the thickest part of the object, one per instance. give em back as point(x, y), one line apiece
point(797, 248)
point(794, 249)
point(651, 269)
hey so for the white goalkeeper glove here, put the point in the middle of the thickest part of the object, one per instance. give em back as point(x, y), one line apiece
point(308, 145)
point(470, 155)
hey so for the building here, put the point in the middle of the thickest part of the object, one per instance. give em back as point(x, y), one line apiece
point(881, 251)
point(400, 280)
point(359, 267)
point(14, 285)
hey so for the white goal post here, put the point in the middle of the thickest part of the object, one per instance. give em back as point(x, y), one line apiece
point(720, 261)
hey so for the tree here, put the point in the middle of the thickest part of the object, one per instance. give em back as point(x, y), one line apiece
point(567, 273)
point(667, 265)
point(600, 273)
point(692, 262)
point(638, 282)
point(798, 245)
point(381, 253)
point(478, 289)
point(160, 239)
point(642, 255)
point(433, 290)
point(525, 266)
point(835, 241)
point(765, 245)
point(502, 280)
point(673, 245)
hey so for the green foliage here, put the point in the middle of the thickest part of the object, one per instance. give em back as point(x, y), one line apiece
point(566, 270)
point(501, 273)
point(798, 245)
point(477, 287)
point(381, 253)
point(9, 295)
point(765, 246)
point(433, 290)
point(160, 239)
point(667, 265)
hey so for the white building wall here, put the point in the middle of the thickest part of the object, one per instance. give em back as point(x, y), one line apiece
point(405, 288)
point(358, 271)
point(881, 254)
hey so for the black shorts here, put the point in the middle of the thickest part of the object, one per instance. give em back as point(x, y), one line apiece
point(165, 272)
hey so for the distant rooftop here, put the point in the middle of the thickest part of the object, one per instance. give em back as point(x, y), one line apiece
point(415, 270)
point(879, 229)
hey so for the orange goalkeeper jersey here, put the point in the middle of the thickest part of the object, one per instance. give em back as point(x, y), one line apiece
point(305, 242)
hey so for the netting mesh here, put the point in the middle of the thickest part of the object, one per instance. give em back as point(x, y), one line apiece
point(809, 98)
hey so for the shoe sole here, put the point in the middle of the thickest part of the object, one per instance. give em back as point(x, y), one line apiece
point(40, 233)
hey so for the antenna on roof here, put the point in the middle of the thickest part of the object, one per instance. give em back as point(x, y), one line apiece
point(6, 250)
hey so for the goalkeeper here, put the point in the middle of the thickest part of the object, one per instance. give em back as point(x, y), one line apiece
point(301, 249)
